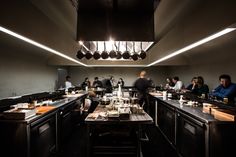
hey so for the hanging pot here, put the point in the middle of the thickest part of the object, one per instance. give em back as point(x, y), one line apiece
point(80, 54)
point(88, 55)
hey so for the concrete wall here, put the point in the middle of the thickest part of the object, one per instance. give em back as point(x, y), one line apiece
point(24, 74)
point(28, 20)
point(129, 75)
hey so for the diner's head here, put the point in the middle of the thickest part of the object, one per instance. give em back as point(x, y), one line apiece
point(168, 79)
point(225, 80)
point(95, 78)
point(175, 79)
point(142, 74)
point(200, 81)
point(194, 80)
point(111, 77)
point(67, 78)
point(86, 79)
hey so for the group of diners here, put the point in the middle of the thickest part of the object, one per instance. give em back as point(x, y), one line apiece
point(225, 89)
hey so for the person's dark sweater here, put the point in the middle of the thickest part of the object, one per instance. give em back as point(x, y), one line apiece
point(199, 90)
point(97, 83)
point(141, 84)
point(190, 87)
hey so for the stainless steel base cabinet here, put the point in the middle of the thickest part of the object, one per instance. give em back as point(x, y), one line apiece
point(190, 138)
point(166, 121)
point(43, 137)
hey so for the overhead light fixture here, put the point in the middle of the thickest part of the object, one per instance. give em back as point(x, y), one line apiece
point(134, 56)
point(39, 45)
point(117, 65)
point(96, 54)
point(118, 53)
point(112, 53)
point(126, 54)
point(104, 54)
point(80, 54)
point(88, 54)
point(142, 54)
point(116, 50)
point(193, 45)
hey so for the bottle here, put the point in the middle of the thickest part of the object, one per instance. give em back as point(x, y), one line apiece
point(164, 95)
point(119, 93)
point(181, 101)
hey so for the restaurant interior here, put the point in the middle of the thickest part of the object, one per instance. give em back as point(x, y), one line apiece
point(43, 42)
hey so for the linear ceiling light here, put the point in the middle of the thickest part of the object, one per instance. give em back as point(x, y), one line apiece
point(39, 45)
point(117, 65)
point(200, 42)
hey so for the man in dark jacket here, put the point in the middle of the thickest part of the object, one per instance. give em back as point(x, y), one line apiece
point(142, 85)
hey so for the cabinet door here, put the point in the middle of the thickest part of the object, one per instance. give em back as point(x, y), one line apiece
point(166, 121)
point(66, 125)
point(152, 103)
point(190, 138)
point(43, 137)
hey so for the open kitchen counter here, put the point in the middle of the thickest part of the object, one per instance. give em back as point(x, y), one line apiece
point(195, 128)
point(116, 130)
point(43, 132)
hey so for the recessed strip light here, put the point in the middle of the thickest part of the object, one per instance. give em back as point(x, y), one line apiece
point(117, 65)
point(200, 42)
point(39, 45)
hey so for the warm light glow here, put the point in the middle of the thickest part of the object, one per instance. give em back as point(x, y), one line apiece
point(191, 46)
point(111, 41)
point(118, 65)
point(39, 45)
point(122, 47)
point(81, 43)
point(150, 44)
point(113, 45)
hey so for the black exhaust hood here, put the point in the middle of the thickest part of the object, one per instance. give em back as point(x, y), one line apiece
point(122, 20)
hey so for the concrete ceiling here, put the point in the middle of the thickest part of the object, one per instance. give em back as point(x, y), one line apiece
point(177, 24)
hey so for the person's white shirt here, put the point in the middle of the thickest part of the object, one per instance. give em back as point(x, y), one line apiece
point(68, 85)
point(178, 85)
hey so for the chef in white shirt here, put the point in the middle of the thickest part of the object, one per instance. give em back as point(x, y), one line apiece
point(68, 84)
point(178, 84)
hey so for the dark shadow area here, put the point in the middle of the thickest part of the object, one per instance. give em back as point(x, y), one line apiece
point(157, 146)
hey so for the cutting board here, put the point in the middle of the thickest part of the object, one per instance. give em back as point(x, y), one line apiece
point(225, 115)
point(44, 109)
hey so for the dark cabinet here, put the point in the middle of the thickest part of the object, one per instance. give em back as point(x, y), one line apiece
point(43, 137)
point(68, 117)
point(222, 139)
point(13, 139)
point(194, 133)
point(166, 121)
point(190, 137)
point(65, 122)
point(152, 106)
